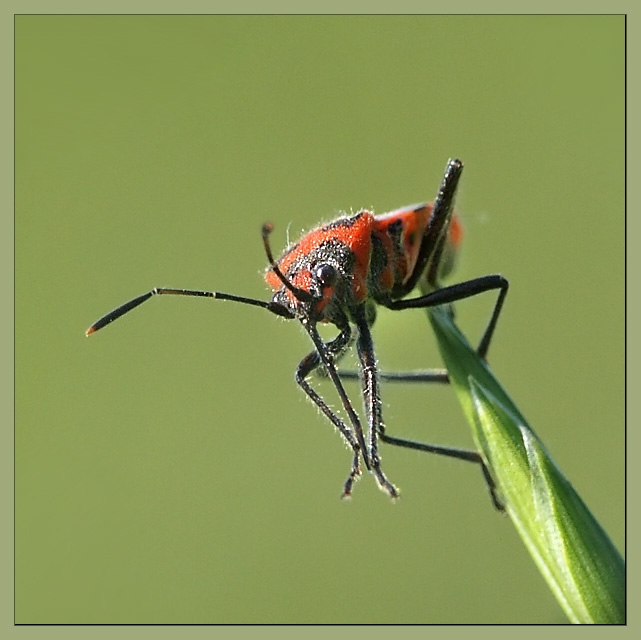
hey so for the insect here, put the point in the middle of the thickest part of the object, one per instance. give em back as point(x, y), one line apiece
point(339, 273)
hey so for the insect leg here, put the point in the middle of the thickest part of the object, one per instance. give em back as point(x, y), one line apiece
point(460, 291)
point(432, 244)
point(451, 452)
point(423, 375)
point(324, 354)
point(372, 399)
point(449, 295)
point(445, 295)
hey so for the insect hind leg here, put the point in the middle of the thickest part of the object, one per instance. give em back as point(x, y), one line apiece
point(468, 455)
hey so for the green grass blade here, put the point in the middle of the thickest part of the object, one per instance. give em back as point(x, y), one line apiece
point(583, 568)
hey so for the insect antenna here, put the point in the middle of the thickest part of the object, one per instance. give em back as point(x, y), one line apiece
point(160, 291)
point(301, 294)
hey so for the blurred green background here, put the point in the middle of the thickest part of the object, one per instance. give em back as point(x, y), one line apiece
point(169, 470)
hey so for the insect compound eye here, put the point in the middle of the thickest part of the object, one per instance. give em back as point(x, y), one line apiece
point(326, 275)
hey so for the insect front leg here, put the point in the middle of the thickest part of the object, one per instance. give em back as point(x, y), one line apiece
point(310, 363)
point(372, 399)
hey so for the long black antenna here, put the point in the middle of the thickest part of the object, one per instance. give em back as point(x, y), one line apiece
point(301, 294)
point(160, 291)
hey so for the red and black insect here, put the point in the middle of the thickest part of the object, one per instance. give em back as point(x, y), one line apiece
point(339, 274)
